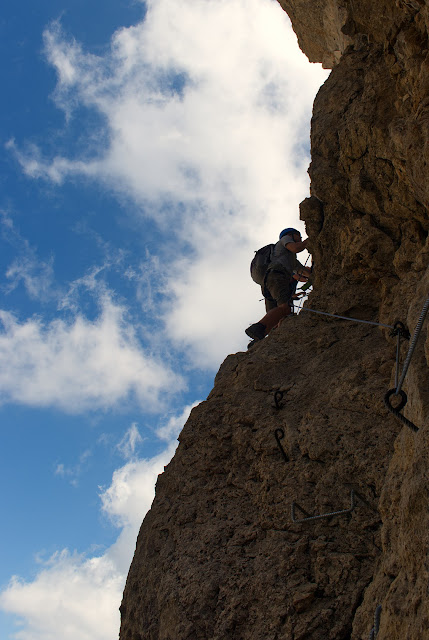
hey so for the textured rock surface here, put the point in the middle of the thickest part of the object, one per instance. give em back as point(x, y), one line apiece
point(218, 556)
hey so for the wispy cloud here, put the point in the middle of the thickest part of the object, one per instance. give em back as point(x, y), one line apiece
point(129, 443)
point(73, 473)
point(27, 268)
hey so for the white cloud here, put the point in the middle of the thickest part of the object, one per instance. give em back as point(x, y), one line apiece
point(131, 440)
point(214, 302)
point(81, 364)
point(72, 598)
point(75, 597)
point(225, 136)
point(132, 490)
point(206, 109)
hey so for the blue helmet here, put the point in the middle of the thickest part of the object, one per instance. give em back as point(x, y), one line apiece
point(288, 231)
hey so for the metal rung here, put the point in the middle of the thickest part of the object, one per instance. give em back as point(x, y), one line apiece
point(322, 515)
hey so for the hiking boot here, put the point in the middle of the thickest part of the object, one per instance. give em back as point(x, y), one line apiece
point(256, 331)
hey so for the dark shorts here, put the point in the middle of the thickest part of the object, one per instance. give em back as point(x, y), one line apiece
point(279, 289)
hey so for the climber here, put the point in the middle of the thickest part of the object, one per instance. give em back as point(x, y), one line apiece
point(280, 281)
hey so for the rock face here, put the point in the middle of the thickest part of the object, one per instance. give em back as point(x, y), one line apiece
point(218, 556)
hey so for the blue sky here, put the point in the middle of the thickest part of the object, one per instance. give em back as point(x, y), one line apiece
point(146, 151)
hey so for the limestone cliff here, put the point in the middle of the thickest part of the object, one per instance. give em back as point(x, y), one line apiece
point(218, 556)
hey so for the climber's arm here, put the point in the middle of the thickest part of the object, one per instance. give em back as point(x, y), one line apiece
point(297, 247)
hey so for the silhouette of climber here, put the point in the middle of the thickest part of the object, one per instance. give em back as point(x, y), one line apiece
point(283, 273)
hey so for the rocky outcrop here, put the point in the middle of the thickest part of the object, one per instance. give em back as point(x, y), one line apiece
point(218, 556)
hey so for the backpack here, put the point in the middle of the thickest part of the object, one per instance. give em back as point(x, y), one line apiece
point(259, 264)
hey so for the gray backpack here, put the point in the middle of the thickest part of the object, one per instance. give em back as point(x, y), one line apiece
point(259, 264)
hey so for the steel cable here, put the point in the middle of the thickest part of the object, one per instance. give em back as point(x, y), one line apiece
point(333, 315)
point(413, 345)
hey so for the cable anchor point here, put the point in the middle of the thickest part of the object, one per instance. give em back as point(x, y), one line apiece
point(279, 434)
point(396, 410)
point(278, 397)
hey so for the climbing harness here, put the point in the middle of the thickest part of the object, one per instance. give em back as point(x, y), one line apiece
point(374, 631)
point(397, 391)
point(322, 515)
point(278, 397)
point(279, 434)
point(333, 315)
point(302, 293)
